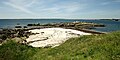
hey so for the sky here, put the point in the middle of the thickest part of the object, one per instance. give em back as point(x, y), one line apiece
point(84, 9)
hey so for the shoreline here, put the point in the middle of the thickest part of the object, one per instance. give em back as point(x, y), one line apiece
point(52, 37)
point(18, 32)
point(83, 30)
point(92, 31)
point(45, 38)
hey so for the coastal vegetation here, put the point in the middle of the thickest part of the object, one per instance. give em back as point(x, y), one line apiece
point(92, 47)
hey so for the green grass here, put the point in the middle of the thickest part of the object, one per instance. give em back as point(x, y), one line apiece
point(93, 47)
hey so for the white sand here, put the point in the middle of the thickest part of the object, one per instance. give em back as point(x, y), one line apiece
point(52, 36)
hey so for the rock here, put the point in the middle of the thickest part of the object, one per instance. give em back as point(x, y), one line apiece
point(25, 26)
point(18, 26)
point(1, 40)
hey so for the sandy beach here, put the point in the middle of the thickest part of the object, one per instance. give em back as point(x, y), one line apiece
point(52, 36)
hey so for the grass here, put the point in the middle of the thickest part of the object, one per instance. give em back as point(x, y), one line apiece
point(93, 47)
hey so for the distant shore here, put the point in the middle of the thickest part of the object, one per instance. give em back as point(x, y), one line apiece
point(110, 25)
point(81, 26)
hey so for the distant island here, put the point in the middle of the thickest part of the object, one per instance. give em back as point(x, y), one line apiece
point(111, 19)
point(73, 25)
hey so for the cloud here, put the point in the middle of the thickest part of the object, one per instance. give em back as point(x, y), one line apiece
point(1, 7)
point(110, 2)
point(46, 8)
point(116, 0)
point(20, 8)
point(25, 3)
point(105, 3)
point(59, 8)
point(69, 7)
point(31, 3)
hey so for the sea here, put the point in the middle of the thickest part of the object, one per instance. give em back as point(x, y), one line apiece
point(110, 25)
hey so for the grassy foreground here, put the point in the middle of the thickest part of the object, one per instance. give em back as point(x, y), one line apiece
point(94, 47)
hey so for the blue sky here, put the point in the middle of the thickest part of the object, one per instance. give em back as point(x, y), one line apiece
point(60, 9)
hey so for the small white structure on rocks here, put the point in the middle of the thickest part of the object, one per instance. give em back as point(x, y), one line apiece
point(52, 36)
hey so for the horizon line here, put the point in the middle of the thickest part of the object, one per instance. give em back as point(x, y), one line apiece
point(56, 18)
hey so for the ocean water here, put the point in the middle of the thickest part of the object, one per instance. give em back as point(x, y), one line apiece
point(110, 25)
point(10, 23)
